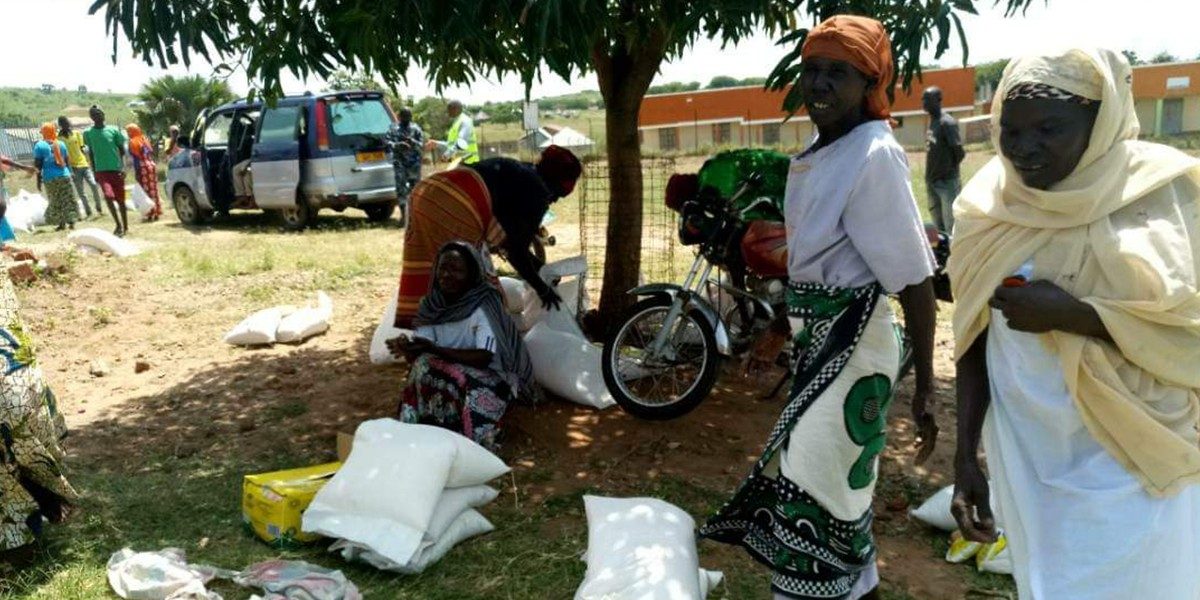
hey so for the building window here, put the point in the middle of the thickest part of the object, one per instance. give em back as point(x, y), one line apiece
point(770, 134)
point(668, 139)
point(722, 133)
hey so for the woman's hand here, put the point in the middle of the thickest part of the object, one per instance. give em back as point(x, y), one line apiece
point(927, 427)
point(971, 505)
point(1042, 306)
point(550, 298)
point(409, 348)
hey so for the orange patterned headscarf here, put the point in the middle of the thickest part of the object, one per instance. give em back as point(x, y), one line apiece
point(138, 145)
point(50, 134)
point(862, 42)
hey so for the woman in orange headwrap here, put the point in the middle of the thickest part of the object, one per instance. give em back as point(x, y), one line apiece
point(144, 167)
point(50, 157)
point(854, 234)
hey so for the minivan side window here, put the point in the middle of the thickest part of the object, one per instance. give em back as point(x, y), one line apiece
point(216, 134)
point(279, 125)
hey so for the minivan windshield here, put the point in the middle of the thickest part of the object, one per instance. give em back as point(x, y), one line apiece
point(358, 123)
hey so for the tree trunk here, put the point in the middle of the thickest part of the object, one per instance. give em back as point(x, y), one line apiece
point(624, 75)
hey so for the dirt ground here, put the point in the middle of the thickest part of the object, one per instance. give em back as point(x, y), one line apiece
point(200, 397)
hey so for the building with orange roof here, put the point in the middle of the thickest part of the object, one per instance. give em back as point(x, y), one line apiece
point(752, 116)
point(1167, 98)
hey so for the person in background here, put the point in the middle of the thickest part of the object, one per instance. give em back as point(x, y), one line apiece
point(468, 360)
point(496, 203)
point(172, 147)
point(408, 139)
point(1076, 273)
point(854, 234)
point(106, 151)
point(945, 154)
point(81, 169)
point(50, 157)
point(6, 231)
point(460, 144)
point(32, 486)
point(145, 170)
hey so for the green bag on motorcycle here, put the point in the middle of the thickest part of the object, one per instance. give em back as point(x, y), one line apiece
point(726, 171)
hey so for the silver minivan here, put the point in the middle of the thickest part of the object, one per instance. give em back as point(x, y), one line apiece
point(303, 154)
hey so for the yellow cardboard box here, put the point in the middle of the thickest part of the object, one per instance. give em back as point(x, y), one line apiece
point(273, 503)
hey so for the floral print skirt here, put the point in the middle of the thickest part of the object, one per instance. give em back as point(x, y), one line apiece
point(457, 397)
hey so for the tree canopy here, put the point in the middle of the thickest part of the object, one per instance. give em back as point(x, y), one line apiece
point(624, 42)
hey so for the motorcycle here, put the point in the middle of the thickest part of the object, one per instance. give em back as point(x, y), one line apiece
point(663, 358)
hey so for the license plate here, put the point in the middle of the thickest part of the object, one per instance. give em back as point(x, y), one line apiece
point(371, 156)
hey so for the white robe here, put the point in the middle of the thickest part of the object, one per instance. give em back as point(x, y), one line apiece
point(1079, 525)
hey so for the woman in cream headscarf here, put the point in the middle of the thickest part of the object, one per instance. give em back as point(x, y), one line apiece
point(1077, 326)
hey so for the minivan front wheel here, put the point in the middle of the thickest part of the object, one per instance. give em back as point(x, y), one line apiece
point(297, 217)
point(187, 208)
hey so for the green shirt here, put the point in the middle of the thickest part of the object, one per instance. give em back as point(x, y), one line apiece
point(106, 145)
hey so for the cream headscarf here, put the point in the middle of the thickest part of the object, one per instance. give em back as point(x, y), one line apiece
point(1121, 233)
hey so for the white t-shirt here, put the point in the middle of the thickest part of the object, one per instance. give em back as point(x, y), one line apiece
point(851, 216)
point(472, 333)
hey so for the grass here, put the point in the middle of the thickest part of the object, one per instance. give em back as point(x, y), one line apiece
point(183, 502)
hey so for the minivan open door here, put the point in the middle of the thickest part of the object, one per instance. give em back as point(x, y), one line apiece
point(275, 160)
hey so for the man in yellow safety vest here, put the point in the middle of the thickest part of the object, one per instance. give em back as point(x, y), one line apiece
point(460, 145)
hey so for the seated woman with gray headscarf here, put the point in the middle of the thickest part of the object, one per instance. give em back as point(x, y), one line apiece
point(468, 360)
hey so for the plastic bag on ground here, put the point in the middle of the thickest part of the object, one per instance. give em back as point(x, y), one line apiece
point(306, 322)
point(641, 548)
point(936, 510)
point(103, 241)
point(387, 505)
point(297, 580)
point(378, 352)
point(568, 366)
point(259, 328)
point(995, 557)
point(162, 575)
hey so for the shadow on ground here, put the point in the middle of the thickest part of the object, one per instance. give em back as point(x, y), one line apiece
point(165, 470)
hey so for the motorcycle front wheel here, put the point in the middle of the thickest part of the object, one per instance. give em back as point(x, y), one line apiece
point(668, 383)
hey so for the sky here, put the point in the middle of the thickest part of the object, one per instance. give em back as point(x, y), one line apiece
point(82, 54)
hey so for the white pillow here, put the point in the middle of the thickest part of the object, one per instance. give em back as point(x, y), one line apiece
point(386, 493)
point(568, 366)
point(306, 322)
point(453, 504)
point(640, 548)
point(259, 328)
point(468, 525)
point(935, 511)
